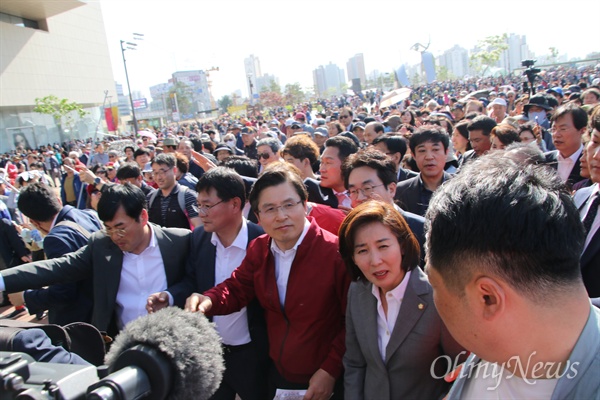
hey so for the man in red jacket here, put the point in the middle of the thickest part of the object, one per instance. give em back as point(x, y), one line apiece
point(297, 274)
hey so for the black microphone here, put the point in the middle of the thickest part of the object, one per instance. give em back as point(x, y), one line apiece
point(168, 354)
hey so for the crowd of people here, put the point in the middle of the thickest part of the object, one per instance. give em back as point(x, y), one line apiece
point(343, 249)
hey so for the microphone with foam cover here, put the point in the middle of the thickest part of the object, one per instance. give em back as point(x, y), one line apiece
point(170, 354)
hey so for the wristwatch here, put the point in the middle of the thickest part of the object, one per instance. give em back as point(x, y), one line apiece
point(97, 181)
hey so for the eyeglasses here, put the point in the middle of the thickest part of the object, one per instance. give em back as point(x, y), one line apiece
point(264, 156)
point(344, 116)
point(204, 209)
point(273, 210)
point(110, 231)
point(366, 191)
point(160, 172)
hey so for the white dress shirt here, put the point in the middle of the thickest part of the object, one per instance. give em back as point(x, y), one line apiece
point(232, 328)
point(386, 324)
point(565, 165)
point(283, 263)
point(141, 275)
point(583, 212)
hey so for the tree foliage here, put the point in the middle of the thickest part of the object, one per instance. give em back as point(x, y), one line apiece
point(271, 99)
point(490, 51)
point(184, 97)
point(225, 102)
point(62, 110)
point(293, 94)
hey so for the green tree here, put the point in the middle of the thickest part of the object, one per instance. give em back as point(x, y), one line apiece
point(490, 50)
point(62, 110)
point(553, 54)
point(443, 73)
point(274, 87)
point(415, 81)
point(293, 94)
point(225, 102)
point(184, 97)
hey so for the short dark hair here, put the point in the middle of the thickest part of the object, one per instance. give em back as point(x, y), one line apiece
point(344, 145)
point(127, 195)
point(482, 123)
point(578, 114)
point(374, 159)
point(129, 147)
point(274, 144)
point(38, 202)
point(141, 151)
point(595, 119)
point(228, 184)
point(243, 165)
point(486, 217)
point(377, 211)
point(167, 159)
point(506, 134)
point(301, 147)
point(182, 163)
point(394, 142)
point(128, 170)
point(275, 174)
point(429, 133)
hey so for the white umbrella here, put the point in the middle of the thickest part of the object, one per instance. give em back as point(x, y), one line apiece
point(394, 97)
point(147, 134)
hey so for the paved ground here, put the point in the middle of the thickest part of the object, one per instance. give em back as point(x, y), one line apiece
point(22, 317)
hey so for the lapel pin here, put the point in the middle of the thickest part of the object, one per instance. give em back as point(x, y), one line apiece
point(421, 306)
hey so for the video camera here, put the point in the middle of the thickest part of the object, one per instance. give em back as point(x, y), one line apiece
point(148, 374)
point(531, 74)
point(167, 354)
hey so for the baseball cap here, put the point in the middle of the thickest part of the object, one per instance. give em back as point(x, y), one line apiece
point(321, 132)
point(499, 101)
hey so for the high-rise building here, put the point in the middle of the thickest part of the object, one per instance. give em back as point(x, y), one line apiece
point(51, 48)
point(356, 69)
point(456, 60)
point(265, 81)
point(122, 101)
point(328, 80)
point(196, 87)
point(253, 73)
point(517, 51)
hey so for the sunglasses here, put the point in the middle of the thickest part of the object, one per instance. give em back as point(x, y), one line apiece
point(264, 156)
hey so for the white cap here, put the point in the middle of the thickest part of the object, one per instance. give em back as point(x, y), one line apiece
point(499, 100)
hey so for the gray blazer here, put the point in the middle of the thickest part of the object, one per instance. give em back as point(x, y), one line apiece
point(101, 260)
point(418, 338)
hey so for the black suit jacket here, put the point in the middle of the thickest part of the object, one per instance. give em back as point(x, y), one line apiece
point(200, 276)
point(574, 176)
point(408, 195)
point(66, 302)
point(590, 258)
point(319, 194)
point(102, 260)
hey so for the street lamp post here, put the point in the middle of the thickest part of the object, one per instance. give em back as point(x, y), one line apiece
point(130, 46)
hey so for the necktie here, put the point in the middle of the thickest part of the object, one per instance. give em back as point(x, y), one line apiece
point(341, 196)
point(591, 214)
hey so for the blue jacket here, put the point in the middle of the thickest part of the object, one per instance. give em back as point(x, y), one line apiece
point(78, 187)
point(68, 302)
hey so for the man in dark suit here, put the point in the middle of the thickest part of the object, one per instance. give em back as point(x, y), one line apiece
point(217, 248)
point(569, 124)
point(394, 146)
point(429, 147)
point(331, 187)
point(370, 174)
point(587, 201)
point(127, 261)
point(67, 229)
point(479, 137)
